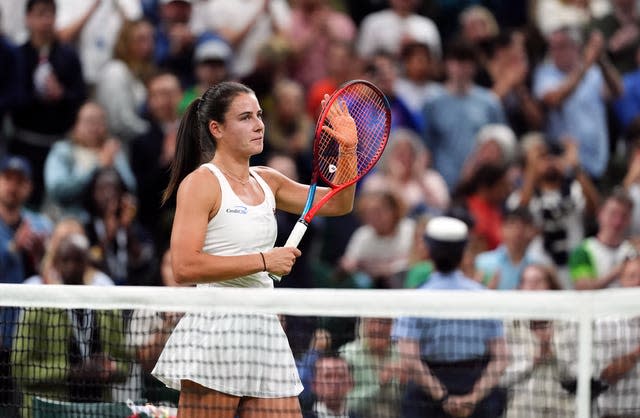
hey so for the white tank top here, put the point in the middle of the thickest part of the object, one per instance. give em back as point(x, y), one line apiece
point(239, 228)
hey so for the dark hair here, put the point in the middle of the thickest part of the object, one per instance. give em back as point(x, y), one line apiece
point(32, 3)
point(460, 50)
point(195, 144)
point(88, 200)
point(486, 175)
point(446, 256)
point(550, 275)
point(519, 213)
point(619, 195)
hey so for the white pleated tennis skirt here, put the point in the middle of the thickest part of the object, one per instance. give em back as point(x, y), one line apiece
point(238, 354)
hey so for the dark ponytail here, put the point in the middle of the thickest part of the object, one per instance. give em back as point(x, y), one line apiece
point(194, 143)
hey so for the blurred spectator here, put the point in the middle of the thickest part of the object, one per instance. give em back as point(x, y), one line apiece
point(342, 65)
point(574, 91)
point(374, 362)
point(69, 354)
point(505, 71)
point(551, 15)
point(289, 129)
point(174, 40)
point(447, 378)
point(319, 345)
point(621, 30)
point(332, 382)
point(211, 61)
point(53, 89)
point(631, 181)
point(119, 244)
point(503, 266)
point(533, 377)
point(380, 248)
point(415, 85)
point(627, 106)
point(495, 144)
point(271, 65)
point(152, 154)
point(245, 28)
point(405, 169)
point(559, 195)
point(12, 22)
point(484, 195)
point(23, 233)
point(120, 87)
point(10, 71)
point(387, 29)
point(617, 354)
point(382, 70)
point(477, 25)
point(48, 273)
point(453, 118)
point(72, 162)
point(22, 243)
point(315, 24)
point(596, 263)
point(92, 27)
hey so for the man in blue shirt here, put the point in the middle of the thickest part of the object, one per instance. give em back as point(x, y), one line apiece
point(455, 364)
point(22, 239)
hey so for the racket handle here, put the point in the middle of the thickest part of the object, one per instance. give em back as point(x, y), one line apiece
point(294, 239)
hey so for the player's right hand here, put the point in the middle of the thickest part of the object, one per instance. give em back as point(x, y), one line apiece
point(280, 260)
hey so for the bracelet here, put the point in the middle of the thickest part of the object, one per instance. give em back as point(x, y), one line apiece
point(264, 263)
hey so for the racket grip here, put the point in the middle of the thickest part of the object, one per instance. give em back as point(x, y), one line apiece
point(294, 239)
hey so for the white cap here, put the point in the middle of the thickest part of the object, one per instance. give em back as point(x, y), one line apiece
point(446, 229)
point(502, 135)
point(212, 49)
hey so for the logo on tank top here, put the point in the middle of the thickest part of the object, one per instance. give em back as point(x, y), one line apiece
point(242, 210)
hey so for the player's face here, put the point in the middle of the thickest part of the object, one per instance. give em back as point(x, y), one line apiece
point(243, 128)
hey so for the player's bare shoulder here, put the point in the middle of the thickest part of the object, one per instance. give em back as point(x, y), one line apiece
point(201, 188)
point(273, 177)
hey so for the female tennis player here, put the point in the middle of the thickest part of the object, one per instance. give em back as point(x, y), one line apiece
point(228, 365)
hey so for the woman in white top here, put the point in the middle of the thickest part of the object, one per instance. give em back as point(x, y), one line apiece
point(228, 365)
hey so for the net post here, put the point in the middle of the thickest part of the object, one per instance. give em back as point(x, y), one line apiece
point(585, 367)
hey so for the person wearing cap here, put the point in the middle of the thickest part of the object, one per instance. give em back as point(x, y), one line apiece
point(22, 243)
point(454, 365)
point(211, 58)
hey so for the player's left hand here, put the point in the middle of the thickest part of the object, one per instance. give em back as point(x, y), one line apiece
point(342, 126)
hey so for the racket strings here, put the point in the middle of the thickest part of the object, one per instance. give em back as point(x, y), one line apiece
point(370, 113)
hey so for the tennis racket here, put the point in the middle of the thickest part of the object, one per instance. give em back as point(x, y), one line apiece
point(359, 102)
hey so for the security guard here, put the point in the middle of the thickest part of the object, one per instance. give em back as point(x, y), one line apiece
point(453, 365)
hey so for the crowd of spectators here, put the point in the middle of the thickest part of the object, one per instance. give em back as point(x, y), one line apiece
point(521, 118)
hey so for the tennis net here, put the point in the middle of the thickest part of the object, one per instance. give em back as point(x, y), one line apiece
point(81, 351)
